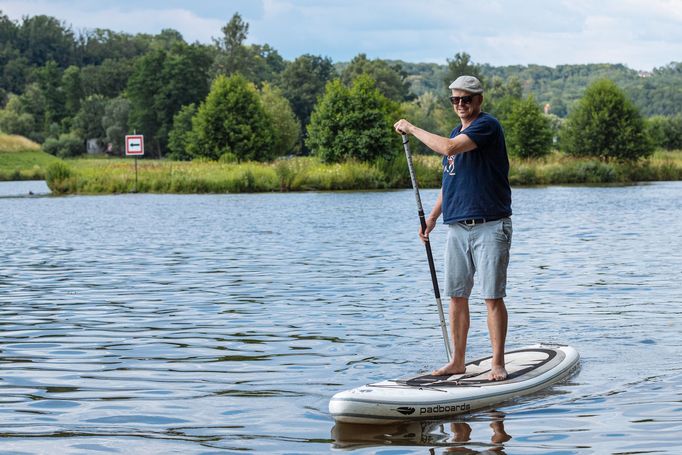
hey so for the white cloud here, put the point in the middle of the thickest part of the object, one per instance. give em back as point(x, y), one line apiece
point(192, 27)
point(121, 18)
point(640, 33)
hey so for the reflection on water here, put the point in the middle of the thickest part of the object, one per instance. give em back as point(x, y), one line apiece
point(454, 436)
point(165, 323)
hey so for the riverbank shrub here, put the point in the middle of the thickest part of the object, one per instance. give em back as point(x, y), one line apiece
point(286, 130)
point(59, 178)
point(605, 124)
point(665, 131)
point(232, 119)
point(66, 146)
point(180, 134)
point(353, 123)
point(528, 130)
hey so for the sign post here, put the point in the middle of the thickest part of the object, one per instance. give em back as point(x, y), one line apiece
point(135, 147)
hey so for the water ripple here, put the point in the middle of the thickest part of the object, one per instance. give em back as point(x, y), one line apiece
point(152, 324)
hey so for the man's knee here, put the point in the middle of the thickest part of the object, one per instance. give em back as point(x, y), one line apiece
point(459, 301)
point(494, 304)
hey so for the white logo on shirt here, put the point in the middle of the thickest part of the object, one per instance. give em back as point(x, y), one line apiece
point(450, 167)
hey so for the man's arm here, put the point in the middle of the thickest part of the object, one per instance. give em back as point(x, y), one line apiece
point(439, 144)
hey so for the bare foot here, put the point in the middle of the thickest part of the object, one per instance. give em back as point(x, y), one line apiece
point(449, 369)
point(497, 374)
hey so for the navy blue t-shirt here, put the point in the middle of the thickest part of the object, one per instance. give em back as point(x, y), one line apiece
point(476, 183)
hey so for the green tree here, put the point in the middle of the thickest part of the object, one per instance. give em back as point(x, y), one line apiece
point(606, 124)
point(14, 120)
point(109, 78)
point(30, 108)
point(162, 82)
point(528, 130)
point(673, 132)
point(9, 31)
point(72, 87)
point(286, 129)
point(87, 124)
point(49, 80)
point(430, 112)
point(353, 123)
point(303, 82)
point(185, 81)
point(42, 39)
point(14, 66)
point(15, 72)
point(144, 85)
point(232, 120)
point(267, 64)
point(501, 96)
point(390, 79)
point(232, 55)
point(115, 124)
point(461, 65)
point(258, 63)
point(666, 131)
point(167, 39)
point(95, 46)
point(180, 136)
point(65, 146)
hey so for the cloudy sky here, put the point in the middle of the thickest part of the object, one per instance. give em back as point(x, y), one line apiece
point(642, 34)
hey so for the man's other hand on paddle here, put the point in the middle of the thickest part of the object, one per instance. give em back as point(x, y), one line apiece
point(430, 224)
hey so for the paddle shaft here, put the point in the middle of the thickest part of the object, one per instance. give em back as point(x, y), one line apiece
point(427, 245)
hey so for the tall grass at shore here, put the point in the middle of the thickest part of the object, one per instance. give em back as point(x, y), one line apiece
point(93, 176)
point(561, 169)
point(101, 176)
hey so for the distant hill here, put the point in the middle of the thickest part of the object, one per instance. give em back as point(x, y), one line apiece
point(655, 93)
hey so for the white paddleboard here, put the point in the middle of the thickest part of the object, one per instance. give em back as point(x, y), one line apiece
point(427, 397)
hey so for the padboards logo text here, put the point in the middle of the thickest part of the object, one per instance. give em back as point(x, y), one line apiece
point(443, 409)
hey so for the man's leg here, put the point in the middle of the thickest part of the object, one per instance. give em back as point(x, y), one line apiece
point(497, 327)
point(459, 329)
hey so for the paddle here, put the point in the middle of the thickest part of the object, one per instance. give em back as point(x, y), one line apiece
point(427, 244)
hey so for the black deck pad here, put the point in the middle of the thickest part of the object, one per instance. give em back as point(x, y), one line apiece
point(521, 364)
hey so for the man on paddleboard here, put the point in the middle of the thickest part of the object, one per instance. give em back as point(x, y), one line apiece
point(475, 201)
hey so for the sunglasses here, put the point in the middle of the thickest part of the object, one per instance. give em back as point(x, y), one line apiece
point(455, 100)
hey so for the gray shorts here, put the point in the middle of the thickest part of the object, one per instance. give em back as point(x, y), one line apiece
point(483, 248)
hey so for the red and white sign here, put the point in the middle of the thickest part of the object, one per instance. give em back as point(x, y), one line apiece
point(135, 145)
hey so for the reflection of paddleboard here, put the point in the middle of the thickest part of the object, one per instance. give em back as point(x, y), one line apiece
point(429, 397)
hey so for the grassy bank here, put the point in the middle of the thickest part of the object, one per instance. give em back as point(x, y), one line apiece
point(22, 159)
point(561, 169)
point(95, 176)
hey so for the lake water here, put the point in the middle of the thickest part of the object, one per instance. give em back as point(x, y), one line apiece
point(224, 323)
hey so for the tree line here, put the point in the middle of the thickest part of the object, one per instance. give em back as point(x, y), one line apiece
point(229, 100)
